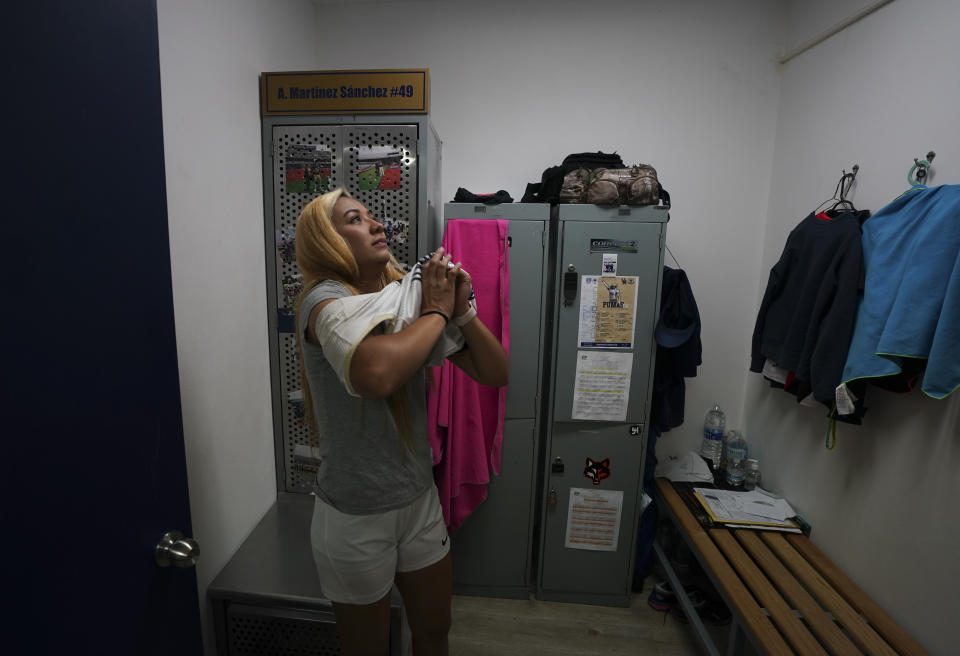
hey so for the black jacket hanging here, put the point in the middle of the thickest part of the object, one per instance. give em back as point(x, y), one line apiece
point(806, 318)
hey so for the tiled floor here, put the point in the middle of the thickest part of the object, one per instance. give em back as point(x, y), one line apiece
point(490, 627)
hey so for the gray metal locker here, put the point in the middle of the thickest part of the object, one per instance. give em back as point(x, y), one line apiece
point(588, 562)
point(408, 202)
point(492, 549)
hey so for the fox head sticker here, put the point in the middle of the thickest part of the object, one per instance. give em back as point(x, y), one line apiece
point(597, 470)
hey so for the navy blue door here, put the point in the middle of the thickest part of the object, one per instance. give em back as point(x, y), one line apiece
point(93, 461)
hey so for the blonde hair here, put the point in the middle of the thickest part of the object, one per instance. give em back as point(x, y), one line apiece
point(323, 254)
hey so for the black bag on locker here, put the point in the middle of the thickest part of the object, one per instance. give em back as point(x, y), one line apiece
point(548, 189)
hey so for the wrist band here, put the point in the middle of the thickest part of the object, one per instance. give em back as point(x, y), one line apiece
point(445, 317)
point(466, 317)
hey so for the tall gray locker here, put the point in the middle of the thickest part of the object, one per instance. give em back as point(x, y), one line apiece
point(492, 549)
point(406, 198)
point(590, 559)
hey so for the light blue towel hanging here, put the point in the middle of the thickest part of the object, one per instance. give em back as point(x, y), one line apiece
point(911, 301)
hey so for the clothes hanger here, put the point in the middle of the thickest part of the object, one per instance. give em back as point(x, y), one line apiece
point(832, 198)
point(847, 178)
point(844, 205)
point(840, 194)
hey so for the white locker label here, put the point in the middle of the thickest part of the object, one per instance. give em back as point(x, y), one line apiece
point(609, 264)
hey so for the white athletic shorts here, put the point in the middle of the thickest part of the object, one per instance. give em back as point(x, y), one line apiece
point(357, 556)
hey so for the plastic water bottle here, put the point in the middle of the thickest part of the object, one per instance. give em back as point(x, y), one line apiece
point(751, 477)
point(723, 451)
point(736, 458)
point(712, 446)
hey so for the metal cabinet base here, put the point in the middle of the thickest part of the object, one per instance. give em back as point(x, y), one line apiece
point(267, 600)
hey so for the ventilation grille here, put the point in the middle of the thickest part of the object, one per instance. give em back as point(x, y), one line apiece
point(250, 634)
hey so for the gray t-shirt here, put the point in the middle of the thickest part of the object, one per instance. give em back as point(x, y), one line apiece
point(365, 467)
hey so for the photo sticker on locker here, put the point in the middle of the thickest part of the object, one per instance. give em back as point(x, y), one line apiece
point(609, 264)
point(285, 245)
point(596, 470)
point(395, 229)
point(379, 168)
point(308, 169)
point(292, 286)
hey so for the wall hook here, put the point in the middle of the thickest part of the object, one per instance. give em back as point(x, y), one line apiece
point(921, 167)
point(846, 181)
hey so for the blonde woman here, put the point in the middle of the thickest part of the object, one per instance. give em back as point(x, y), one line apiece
point(377, 518)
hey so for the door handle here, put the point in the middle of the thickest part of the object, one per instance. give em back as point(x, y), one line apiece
point(570, 285)
point(176, 550)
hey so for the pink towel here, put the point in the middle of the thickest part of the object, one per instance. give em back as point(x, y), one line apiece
point(465, 418)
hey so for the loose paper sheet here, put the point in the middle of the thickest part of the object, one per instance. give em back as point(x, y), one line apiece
point(593, 519)
point(608, 311)
point(601, 390)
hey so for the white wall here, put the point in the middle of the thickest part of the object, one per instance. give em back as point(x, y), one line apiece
point(211, 54)
point(688, 86)
point(883, 505)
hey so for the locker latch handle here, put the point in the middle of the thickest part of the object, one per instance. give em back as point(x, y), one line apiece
point(570, 285)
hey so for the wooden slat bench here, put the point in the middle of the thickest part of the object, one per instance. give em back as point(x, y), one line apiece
point(784, 594)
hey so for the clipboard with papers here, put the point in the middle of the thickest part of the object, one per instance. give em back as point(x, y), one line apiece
point(754, 509)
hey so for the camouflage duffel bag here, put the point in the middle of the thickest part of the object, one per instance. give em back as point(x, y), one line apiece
point(637, 185)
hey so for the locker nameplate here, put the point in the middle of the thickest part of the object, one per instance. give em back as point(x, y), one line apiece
point(389, 91)
point(613, 245)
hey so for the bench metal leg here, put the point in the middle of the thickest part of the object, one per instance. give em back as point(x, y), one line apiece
point(735, 641)
point(702, 634)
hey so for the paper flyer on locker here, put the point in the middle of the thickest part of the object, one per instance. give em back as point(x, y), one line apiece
point(608, 306)
point(608, 311)
point(593, 519)
point(601, 390)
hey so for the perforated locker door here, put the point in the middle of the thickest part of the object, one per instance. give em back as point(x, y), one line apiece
point(378, 165)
